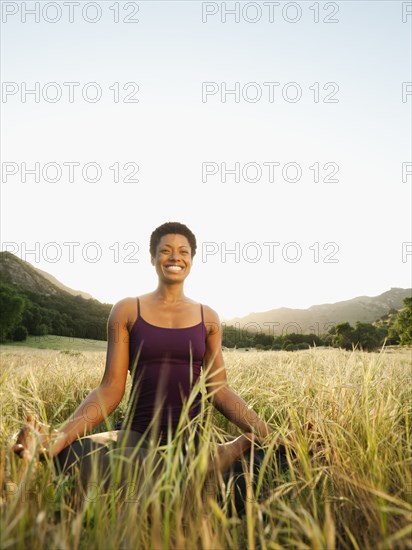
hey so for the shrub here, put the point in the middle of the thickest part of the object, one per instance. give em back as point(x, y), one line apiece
point(20, 333)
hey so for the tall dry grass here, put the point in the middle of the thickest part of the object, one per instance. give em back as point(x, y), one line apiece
point(354, 492)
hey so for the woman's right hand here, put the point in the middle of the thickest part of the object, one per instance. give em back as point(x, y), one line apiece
point(33, 439)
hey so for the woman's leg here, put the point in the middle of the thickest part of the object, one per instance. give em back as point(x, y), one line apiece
point(231, 463)
point(222, 466)
point(228, 453)
point(85, 455)
point(103, 467)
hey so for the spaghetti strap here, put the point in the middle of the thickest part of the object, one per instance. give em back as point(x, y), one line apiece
point(138, 307)
point(201, 309)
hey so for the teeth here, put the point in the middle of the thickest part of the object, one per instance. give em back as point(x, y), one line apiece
point(174, 268)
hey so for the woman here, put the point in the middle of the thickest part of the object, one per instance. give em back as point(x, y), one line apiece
point(163, 338)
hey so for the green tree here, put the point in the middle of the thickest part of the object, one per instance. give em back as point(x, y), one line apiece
point(20, 333)
point(403, 324)
point(42, 330)
point(11, 306)
point(343, 336)
point(264, 339)
point(367, 336)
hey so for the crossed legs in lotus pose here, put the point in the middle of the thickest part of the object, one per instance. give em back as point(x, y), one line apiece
point(99, 450)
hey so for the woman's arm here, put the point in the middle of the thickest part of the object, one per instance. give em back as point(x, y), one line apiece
point(229, 403)
point(101, 401)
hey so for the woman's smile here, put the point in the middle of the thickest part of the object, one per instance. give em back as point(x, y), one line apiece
point(174, 268)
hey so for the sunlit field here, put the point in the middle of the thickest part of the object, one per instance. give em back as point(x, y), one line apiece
point(353, 491)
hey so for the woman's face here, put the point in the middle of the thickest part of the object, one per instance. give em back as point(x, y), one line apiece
point(173, 259)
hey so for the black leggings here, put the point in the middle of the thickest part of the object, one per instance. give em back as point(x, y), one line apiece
point(81, 456)
point(236, 478)
point(94, 461)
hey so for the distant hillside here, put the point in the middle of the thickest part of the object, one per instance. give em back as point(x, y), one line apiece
point(23, 275)
point(51, 307)
point(387, 321)
point(319, 318)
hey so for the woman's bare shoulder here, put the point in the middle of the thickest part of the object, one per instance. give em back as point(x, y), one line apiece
point(125, 308)
point(125, 302)
point(211, 316)
point(211, 319)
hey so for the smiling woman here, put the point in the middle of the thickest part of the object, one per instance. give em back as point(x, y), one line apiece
point(164, 339)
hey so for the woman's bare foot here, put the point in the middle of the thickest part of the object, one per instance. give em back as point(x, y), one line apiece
point(104, 438)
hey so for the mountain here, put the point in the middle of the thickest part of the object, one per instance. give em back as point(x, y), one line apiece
point(49, 306)
point(23, 275)
point(319, 318)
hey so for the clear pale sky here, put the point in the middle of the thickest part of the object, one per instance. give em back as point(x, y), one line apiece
point(313, 99)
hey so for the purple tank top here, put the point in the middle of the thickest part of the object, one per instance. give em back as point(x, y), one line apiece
point(169, 362)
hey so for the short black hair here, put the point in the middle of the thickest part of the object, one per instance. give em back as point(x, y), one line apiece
point(174, 228)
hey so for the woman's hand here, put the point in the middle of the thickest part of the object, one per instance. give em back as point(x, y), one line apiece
point(272, 438)
point(33, 439)
point(317, 444)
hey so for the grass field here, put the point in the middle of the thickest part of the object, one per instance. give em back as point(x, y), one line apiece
point(64, 343)
point(355, 492)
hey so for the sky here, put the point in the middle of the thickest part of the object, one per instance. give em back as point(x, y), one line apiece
point(278, 132)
